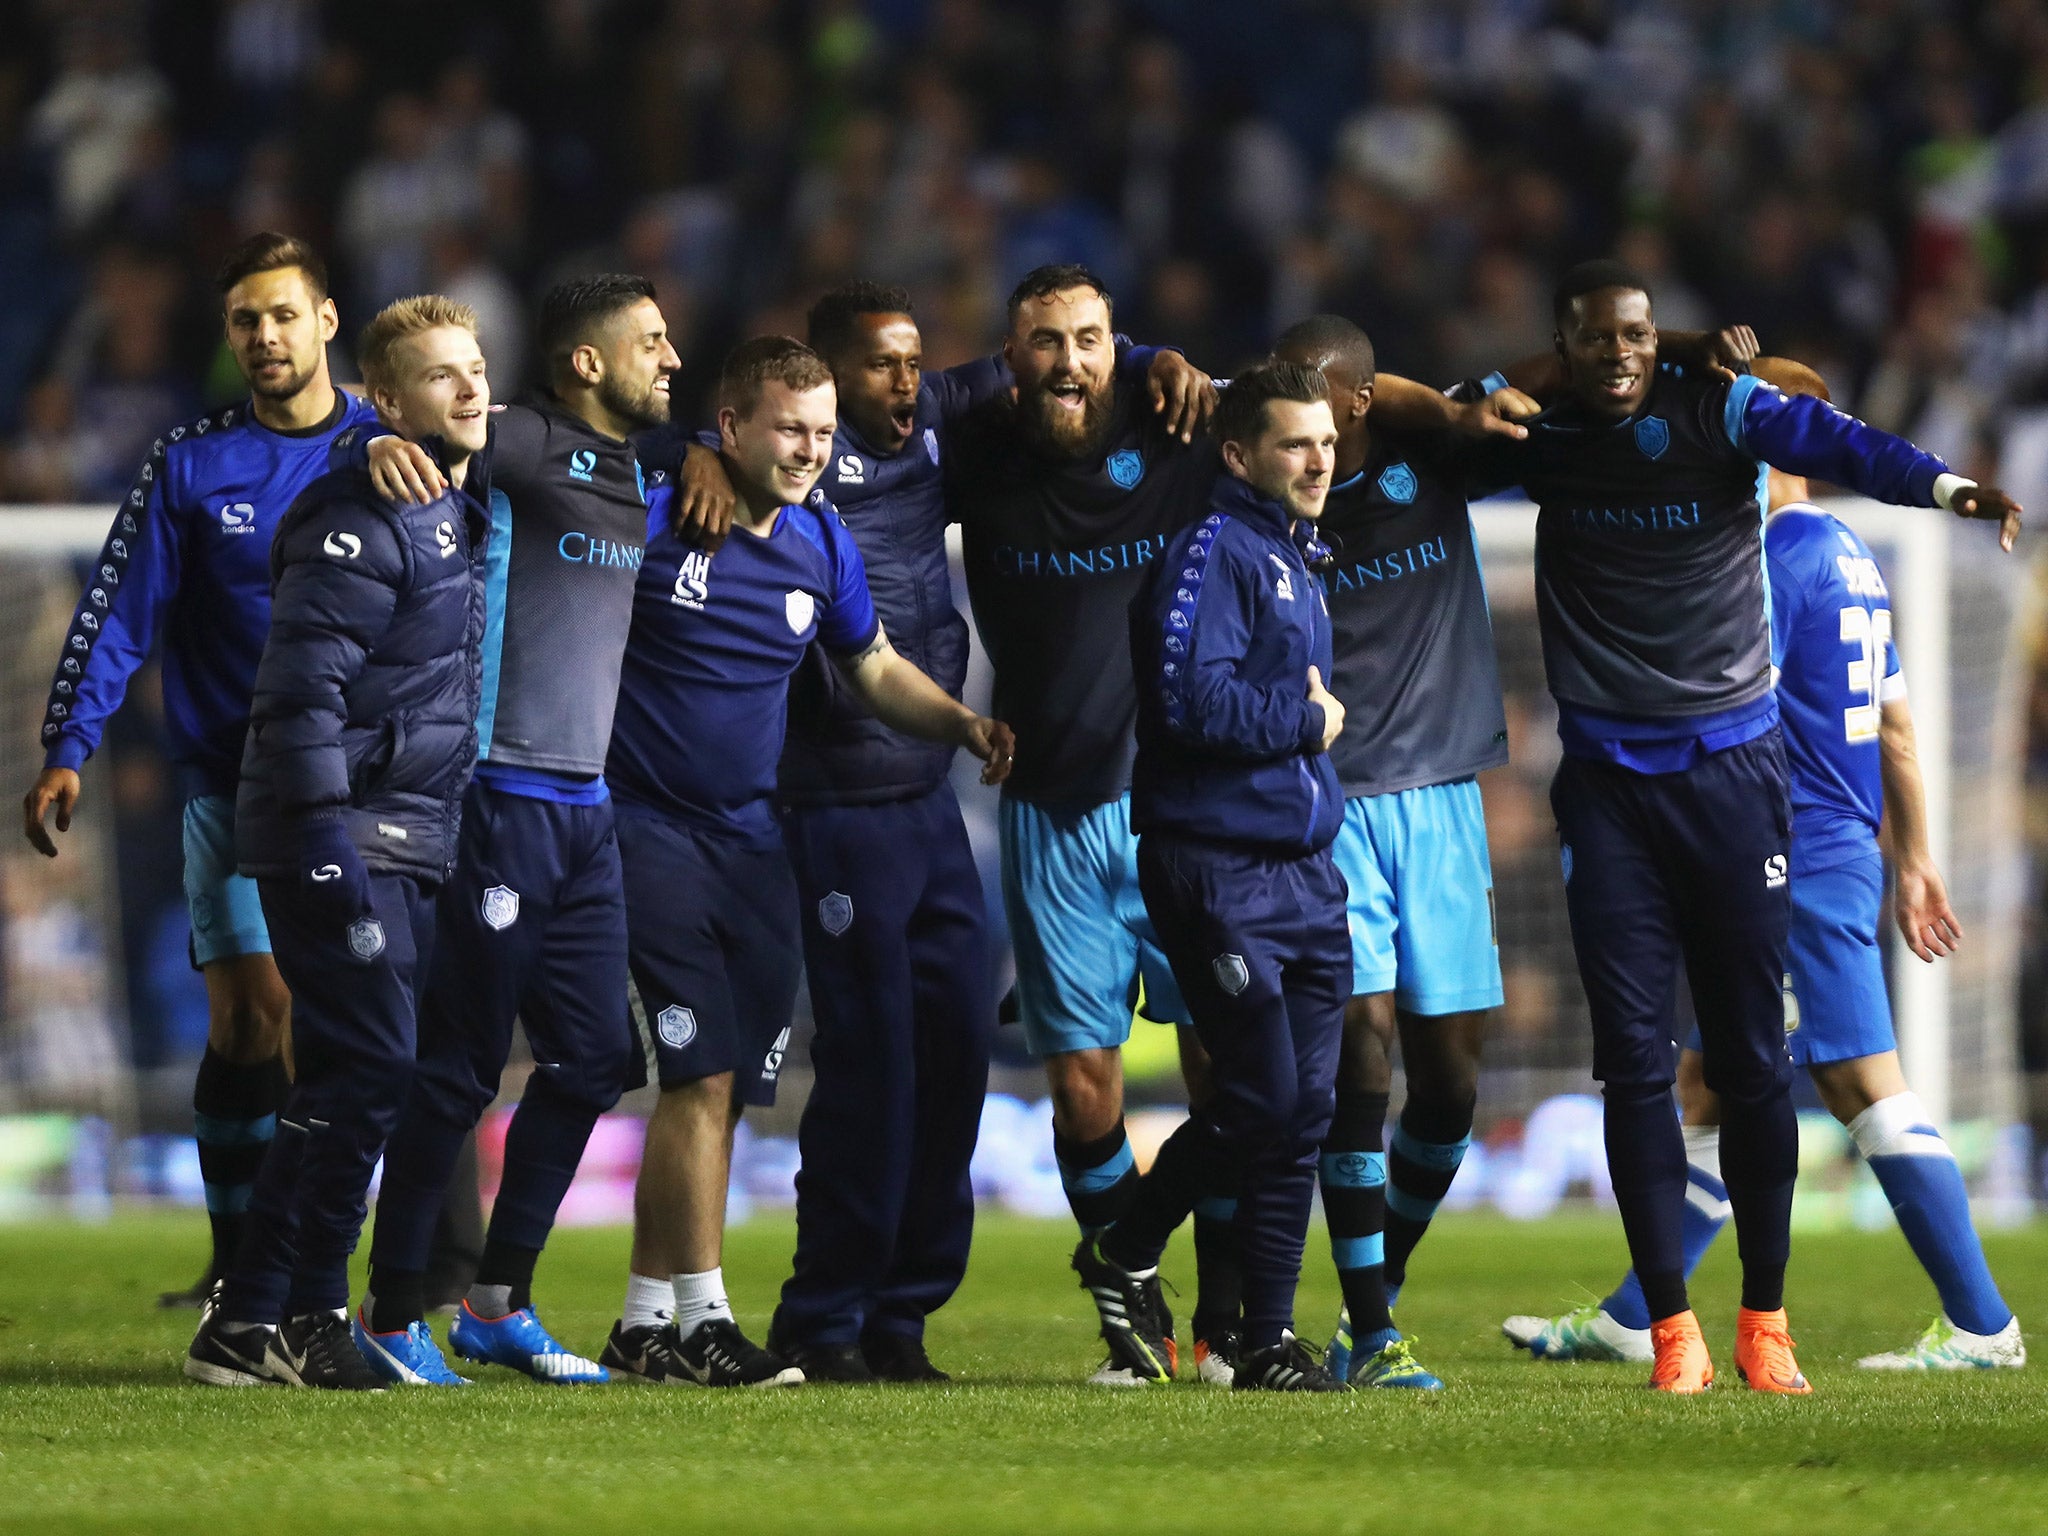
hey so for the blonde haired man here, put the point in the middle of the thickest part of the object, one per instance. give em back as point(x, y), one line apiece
point(361, 739)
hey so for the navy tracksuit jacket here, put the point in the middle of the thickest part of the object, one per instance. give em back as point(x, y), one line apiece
point(365, 705)
point(1236, 804)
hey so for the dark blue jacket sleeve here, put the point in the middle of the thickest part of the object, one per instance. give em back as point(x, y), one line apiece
point(1806, 436)
point(339, 573)
point(1207, 703)
point(117, 616)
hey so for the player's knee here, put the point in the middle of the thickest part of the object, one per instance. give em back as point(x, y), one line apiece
point(1087, 1092)
point(248, 1024)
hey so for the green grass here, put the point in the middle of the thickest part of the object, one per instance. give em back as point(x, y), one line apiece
point(97, 1431)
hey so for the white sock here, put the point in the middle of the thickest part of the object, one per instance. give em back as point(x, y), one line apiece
point(1703, 1148)
point(649, 1303)
point(699, 1299)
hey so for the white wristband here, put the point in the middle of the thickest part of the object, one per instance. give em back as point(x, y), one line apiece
point(1945, 488)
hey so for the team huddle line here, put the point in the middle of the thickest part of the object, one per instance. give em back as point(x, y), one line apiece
point(561, 714)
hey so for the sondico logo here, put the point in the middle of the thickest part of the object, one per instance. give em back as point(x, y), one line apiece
point(693, 580)
point(444, 535)
point(1774, 871)
point(851, 470)
point(343, 546)
point(237, 517)
point(583, 465)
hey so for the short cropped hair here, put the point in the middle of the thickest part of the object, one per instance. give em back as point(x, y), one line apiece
point(1590, 277)
point(753, 365)
point(269, 251)
point(574, 309)
point(1330, 339)
point(396, 321)
point(1057, 277)
point(1241, 414)
point(830, 324)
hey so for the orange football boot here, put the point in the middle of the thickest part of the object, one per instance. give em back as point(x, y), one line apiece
point(1763, 1353)
point(1681, 1355)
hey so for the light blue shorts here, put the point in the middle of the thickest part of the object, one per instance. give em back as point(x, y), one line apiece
point(1421, 898)
point(1837, 1008)
point(1078, 926)
point(227, 919)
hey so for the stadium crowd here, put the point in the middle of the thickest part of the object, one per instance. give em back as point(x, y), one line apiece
point(1865, 183)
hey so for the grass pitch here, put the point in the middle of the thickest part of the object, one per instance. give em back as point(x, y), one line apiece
point(98, 1432)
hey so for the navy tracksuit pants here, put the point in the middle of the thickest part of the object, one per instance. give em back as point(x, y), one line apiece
point(896, 948)
point(1693, 867)
point(1262, 951)
point(532, 927)
point(354, 988)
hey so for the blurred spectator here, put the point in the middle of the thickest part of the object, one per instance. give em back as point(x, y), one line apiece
point(96, 114)
point(460, 268)
point(395, 200)
point(1814, 170)
point(47, 459)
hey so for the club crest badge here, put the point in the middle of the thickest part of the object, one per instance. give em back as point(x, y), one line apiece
point(501, 907)
point(799, 608)
point(1126, 467)
point(835, 912)
point(1398, 483)
point(1231, 973)
point(366, 938)
point(678, 1026)
point(1653, 436)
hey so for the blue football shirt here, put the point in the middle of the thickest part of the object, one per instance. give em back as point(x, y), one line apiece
point(704, 692)
point(1831, 636)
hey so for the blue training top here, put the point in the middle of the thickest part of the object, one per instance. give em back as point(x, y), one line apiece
point(1831, 635)
point(190, 551)
point(704, 692)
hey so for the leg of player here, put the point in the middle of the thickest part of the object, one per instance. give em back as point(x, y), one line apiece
point(1625, 936)
point(1976, 1329)
point(281, 1314)
point(1262, 957)
point(1728, 831)
point(1440, 1062)
point(1101, 1180)
point(1353, 1171)
point(1218, 1323)
point(235, 1098)
point(1618, 1328)
point(678, 1241)
point(243, 1077)
point(954, 1033)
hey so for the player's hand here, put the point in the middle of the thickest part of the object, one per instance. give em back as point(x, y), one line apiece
point(1181, 394)
point(1926, 921)
point(1721, 350)
point(1989, 504)
point(704, 498)
point(53, 786)
point(332, 879)
point(1500, 414)
point(403, 471)
point(994, 743)
point(1333, 707)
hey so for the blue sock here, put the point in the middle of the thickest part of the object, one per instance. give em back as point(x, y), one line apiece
point(1428, 1144)
point(1706, 1213)
point(1925, 1187)
point(1099, 1176)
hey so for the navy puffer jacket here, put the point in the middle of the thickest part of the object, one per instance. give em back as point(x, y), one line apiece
point(366, 697)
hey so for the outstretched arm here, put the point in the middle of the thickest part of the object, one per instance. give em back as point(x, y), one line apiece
point(1807, 436)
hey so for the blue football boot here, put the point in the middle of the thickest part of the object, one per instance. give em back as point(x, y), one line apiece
point(518, 1340)
point(411, 1358)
